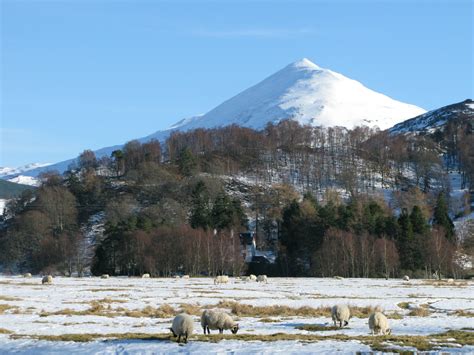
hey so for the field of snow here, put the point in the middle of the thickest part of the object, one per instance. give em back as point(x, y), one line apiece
point(109, 308)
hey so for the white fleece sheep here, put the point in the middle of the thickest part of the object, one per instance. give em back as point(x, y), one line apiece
point(104, 276)
point(145, 276)
point(48, 280)
point(378, 324)
point(211, 319)
point(27, 275)
point(253, 277)
point(262, 278)
point(340, 313)
point(244, 278)
point(183, 325)
point(185, 277)
point(406, 278)
point(222, 279)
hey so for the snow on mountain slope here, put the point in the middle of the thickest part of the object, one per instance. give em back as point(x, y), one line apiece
point(304, 92)
point(301, 91)
point(7, 171)
point(437, 118)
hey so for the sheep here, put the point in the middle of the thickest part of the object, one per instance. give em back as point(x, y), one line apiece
point(262, 278)
point(340, 313)
point(211, 319)
point(145, 276)
point(27, 275)
point(406, 278)
point(185, 277)
point(450, 281)
point(183, 325)
point(338, 277)
point(378, 324)
point(244, 278)
point(48, 280)
point(253, 277)
point(222, 279)
point(104, 276)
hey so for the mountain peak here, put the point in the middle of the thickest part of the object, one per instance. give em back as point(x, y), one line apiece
point(305, 63)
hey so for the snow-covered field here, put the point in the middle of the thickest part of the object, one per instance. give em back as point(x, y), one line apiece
point(122, 302)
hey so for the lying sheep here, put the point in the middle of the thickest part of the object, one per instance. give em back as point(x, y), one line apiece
point(27, 275)
point(104, 276)
point(262, 278)
point(183, 325)
point(450, 281)
point(253, 277)
point(340, 313)
point(145, 276)
point(47, 280)
point(222, 279)
point(185, 277)
point(378, 324)
point(406, 278)
point(211, 319)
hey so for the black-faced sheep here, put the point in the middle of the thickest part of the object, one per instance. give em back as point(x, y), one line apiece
point(341, 314)
point(211, 319)
point(47, 280)
point(183, 325)
point(378, 324)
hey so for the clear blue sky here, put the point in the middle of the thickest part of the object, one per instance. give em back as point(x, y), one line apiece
point(79, 74)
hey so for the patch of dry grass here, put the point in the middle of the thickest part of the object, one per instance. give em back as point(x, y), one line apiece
point(5, 307)
point(404, 305)
point(317, 327)
point(463, 313)
point(269, 320)
point(419, 312)
point(377, 343)
point(8, 298)
point(5, 331)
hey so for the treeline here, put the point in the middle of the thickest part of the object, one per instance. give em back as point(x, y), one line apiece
point(363, 238)
point(179, 207)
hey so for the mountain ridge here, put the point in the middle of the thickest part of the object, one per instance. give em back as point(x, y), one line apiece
point(301, 91)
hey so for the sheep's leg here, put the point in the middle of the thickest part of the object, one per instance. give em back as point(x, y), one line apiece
point(186, 338)
point(179, 338)
point(340, 324)
point(208, 330)
point(221, 330)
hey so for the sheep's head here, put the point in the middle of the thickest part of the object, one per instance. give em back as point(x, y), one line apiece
point(235, 329)
point(172, 331)
point(346, 323)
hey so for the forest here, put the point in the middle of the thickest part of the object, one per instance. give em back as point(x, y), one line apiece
point(324, 201)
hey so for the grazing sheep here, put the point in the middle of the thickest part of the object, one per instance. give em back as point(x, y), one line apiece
point(27, 275)
point(48, 280)
point(211, 319)
point(244, 278)
point(450, 281)
point(222, 279)
point(145, 276)
point(341, 313)
point(253, 277)
point(185, 277)
point(406, 278)
point(378, 324)
point(104, 276)
point(183, 325)
point(262, 278)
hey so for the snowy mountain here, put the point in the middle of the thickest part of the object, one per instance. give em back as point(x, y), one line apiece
point(7, 171)
point(302, 91)
point(436, 119)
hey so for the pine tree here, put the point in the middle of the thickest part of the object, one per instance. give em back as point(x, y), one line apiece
point(441, 217)
point(418, 221)
point(200, 210)
point(406, 241)
point(187, 162)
